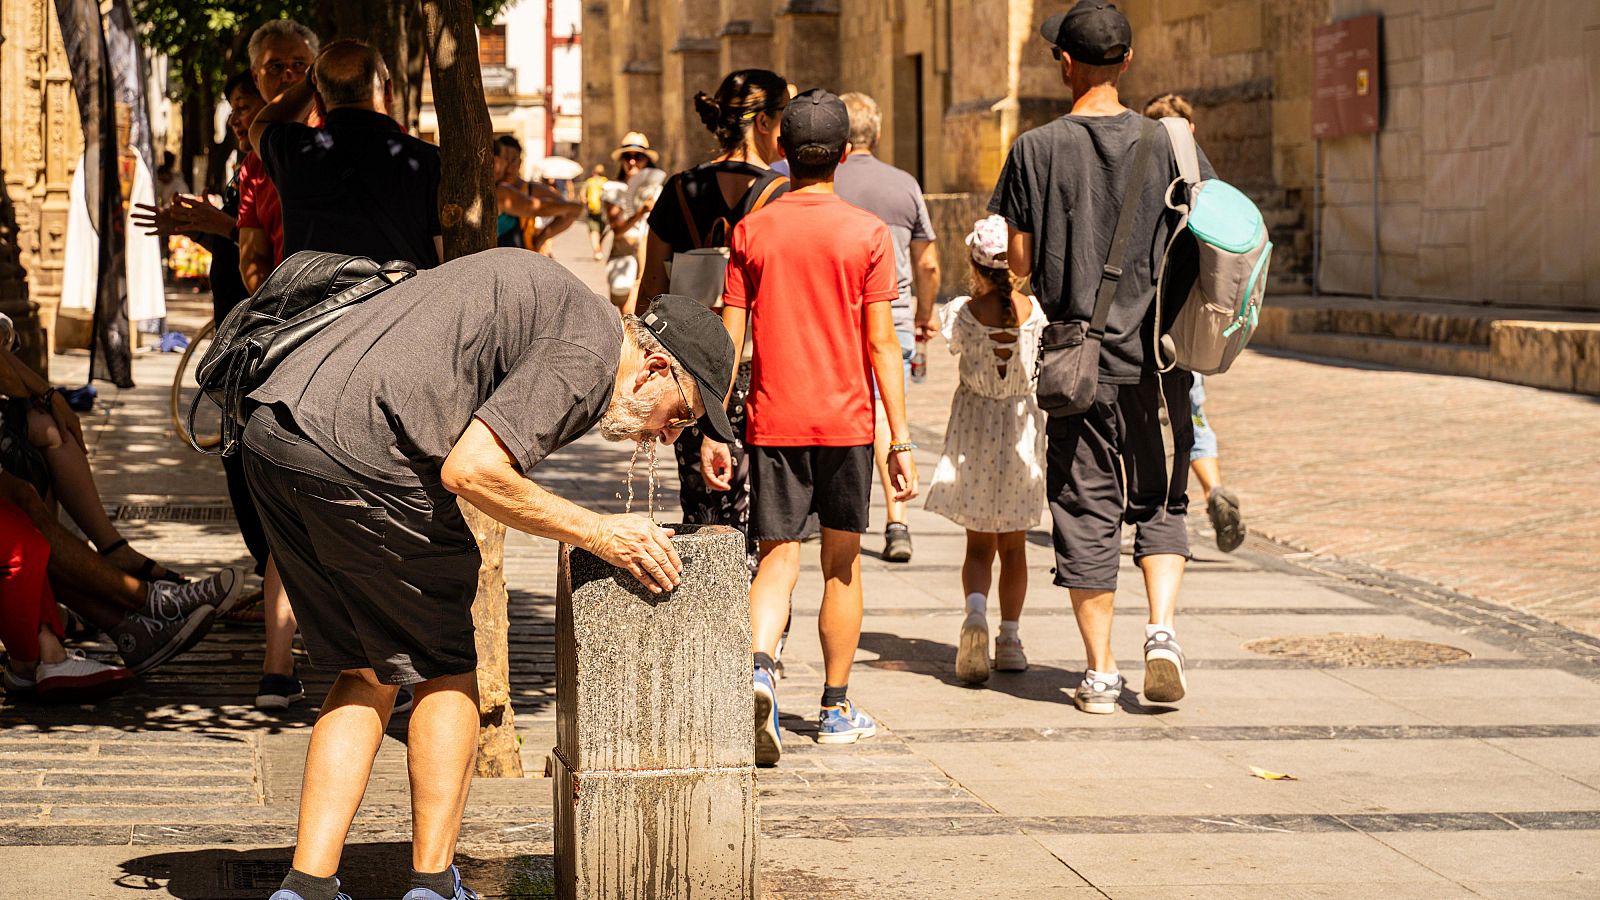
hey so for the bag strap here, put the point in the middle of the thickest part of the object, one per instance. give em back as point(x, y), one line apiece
point(1184, 151)
point(688, 214)
point(767, 192)
point(1111, 272)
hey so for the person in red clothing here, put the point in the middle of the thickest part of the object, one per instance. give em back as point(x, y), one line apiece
point(281, 53)
point(815, 277)
point(30, 625)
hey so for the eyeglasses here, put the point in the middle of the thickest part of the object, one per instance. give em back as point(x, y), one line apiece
point(1055, 52)
point(635, 157)
point(276, 68)
point(680, 424)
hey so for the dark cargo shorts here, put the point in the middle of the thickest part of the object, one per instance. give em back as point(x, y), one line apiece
point(380, 576)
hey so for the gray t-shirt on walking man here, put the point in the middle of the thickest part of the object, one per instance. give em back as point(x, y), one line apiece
point(1063, 183)
point(894, 196)
point(505, 335)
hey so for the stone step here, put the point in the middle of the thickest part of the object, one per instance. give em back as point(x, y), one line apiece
point(1426, 356)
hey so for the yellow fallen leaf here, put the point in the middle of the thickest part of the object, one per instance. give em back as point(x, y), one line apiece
point(1259, 772)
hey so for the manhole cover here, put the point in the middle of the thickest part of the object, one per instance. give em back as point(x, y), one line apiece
point(1369, 651)
point(162, 512)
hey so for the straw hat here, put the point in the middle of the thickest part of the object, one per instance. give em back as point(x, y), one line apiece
point(635, 142)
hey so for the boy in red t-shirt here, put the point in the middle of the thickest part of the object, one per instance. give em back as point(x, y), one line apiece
point(815, 277)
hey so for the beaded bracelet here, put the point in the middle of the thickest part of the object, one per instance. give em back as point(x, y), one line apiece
point(902, 446)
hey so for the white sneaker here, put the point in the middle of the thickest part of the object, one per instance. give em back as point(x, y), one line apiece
point(972, 655)
point(79, 679)
point(1008, 655)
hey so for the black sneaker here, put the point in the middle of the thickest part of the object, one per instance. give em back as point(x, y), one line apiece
point(173, 602)
point(897, 543)
point(404, 699)
point(279, 692)
point(1226, 519)
point(146, 642)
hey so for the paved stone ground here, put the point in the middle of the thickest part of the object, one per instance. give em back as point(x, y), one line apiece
point(1480, 778)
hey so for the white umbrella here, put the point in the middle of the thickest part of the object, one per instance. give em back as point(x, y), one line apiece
point(559, 168)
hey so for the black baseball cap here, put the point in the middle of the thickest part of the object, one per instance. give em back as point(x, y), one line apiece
point(695, 337)
point(1093, 32)
point(815, 118)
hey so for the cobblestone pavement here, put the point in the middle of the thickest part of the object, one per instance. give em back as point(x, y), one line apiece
point(1477, 778)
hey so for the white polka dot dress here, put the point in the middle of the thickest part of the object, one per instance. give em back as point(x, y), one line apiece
point(991, 476)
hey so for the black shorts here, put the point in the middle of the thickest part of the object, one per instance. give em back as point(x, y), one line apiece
point(380, 576)
point(1108, 466)
point(788, 484)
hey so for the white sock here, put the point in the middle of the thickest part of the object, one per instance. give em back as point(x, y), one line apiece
point(977, 603)
point(1110, 678)
point(1150, 631)
point(1008, 629)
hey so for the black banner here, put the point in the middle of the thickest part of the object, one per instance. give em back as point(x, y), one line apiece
point(83, 34)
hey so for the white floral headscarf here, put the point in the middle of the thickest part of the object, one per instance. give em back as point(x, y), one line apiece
point(987, 242)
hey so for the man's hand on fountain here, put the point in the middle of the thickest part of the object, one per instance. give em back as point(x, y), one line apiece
point(640, 546)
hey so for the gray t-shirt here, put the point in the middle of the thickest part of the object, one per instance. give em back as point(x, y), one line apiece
point(1063, 183)
point(894, 196)
point(505, 335)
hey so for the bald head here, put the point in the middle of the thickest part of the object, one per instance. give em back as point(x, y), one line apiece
point(351, 73)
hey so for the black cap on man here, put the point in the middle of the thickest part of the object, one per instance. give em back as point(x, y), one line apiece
point(1093, 32)
point(816, 126)
point(695, 337)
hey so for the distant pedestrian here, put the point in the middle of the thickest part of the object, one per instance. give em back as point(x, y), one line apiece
point(895, 197)
point(169, 180)
point(699, 209)
point(990, 479)
point(517, 200)
point(281, 54)
point(358, 184)
point(1222, 504)
point(595, 212)
point(814, 276)
point(627, 202)
point(1107, 464)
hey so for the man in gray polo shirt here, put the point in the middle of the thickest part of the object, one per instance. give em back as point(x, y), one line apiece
point(894, 196)
point(457, 382)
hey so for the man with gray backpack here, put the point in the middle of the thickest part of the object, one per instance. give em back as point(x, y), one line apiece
point(1085, 198)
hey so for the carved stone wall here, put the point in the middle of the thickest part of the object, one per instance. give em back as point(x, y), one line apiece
point(40, 142)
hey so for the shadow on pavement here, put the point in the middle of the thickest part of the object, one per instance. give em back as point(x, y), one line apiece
point(1042, 683)
point(368, 870)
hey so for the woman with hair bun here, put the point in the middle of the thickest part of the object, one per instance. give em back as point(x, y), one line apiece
point(697, 209)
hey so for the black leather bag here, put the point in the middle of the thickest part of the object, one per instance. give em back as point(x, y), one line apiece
point(303, 295)
point(1069, 352)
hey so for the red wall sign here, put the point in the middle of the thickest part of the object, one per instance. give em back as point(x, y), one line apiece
point(1345, 71)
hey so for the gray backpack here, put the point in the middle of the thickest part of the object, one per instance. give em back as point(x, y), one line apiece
point(1232, 251)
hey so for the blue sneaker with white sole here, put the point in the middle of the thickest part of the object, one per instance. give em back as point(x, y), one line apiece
point(462, 891)
point(769, 745)
point(844, 724)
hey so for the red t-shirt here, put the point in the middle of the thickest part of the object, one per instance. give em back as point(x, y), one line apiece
point(806, 266)
point(258, 203)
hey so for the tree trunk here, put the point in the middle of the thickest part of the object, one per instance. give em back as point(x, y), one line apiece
point(466, 202)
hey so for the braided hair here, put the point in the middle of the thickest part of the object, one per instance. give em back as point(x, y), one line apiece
point(731, 112)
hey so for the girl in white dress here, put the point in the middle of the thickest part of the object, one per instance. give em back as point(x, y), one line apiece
point(990, 479)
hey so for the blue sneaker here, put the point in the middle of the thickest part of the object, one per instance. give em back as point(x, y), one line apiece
point(462, 891)
point(844, 724)
point(769, 746)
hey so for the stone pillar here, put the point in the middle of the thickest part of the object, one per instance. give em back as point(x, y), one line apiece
point(746, 36)
point(599, 95)
point(655, 793)
point(805, 43)
point(689, 65)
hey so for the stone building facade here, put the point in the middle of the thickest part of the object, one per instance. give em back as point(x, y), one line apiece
point(1488, 160)
point(40, 142)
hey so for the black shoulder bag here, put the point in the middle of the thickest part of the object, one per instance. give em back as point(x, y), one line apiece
point(303, 295)
point(1069, 352)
